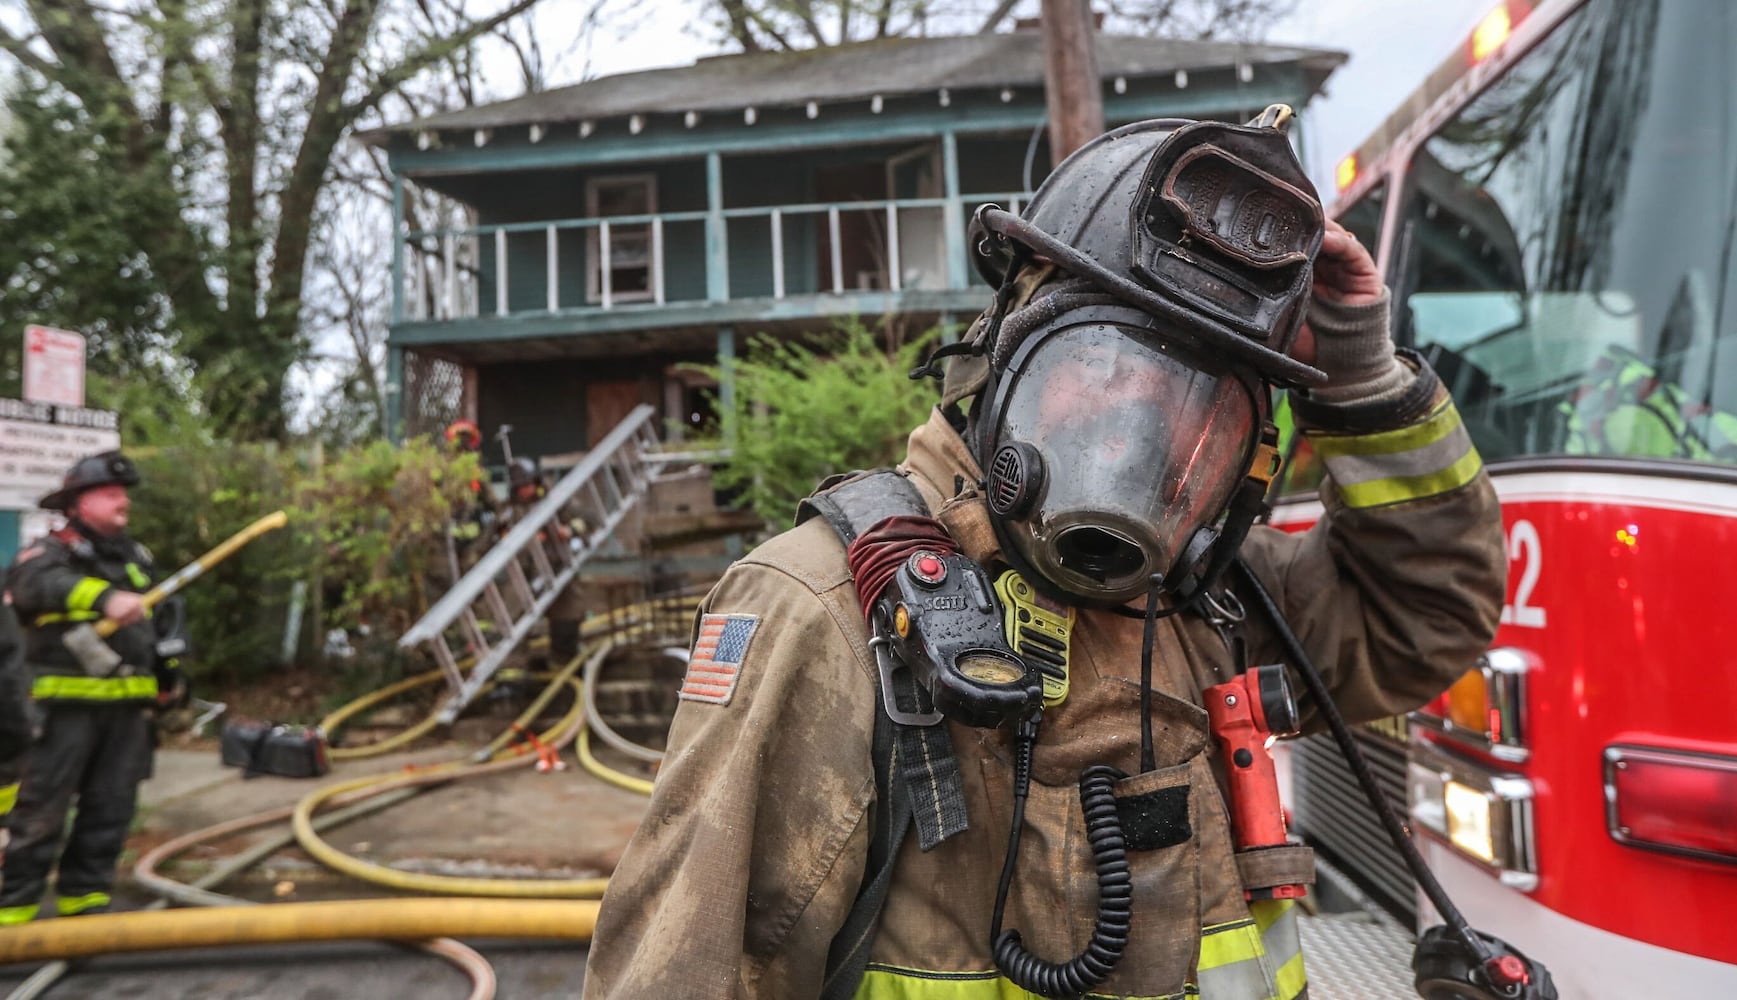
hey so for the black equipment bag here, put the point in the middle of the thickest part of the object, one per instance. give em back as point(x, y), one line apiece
point(274, 748)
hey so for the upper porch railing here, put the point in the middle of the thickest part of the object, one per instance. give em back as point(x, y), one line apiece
point(777, 252)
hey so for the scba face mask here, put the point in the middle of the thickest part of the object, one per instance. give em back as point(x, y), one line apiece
point(1110, 449)
point(1124, 427)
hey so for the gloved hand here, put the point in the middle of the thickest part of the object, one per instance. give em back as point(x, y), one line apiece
point(1348, 328)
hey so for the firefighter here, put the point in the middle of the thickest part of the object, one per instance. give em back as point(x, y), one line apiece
point(91, 734)
point(14, 710)
point(1627, 407)
point(479, 514)
point(471, 527)
point(526, 488)
point(1152, 289)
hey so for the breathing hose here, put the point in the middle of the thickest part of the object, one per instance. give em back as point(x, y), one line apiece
point(1396, 830)
point(1115, 884)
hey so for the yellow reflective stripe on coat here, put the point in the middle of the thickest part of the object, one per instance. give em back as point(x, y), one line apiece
point(1256, 959)
point(12, 916)
point(888, 982)
point(1283, 941)
point(8, 797)
point(136, 574)
point(75, 905)
point(94, 688)
point(84, 593)
point(1423, 460)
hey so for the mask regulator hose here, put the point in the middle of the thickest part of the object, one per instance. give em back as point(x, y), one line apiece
point(1115, 885)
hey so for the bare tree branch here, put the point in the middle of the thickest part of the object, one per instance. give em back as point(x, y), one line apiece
point(741, 25)
point(431, 53)
point(996, 16)
point(19, 49)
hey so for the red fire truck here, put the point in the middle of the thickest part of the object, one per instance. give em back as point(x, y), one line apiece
point(1556, 213)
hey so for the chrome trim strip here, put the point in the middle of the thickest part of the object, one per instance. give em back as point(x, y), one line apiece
point(1505, 669)
point(1617, 757)
point(1512, 834)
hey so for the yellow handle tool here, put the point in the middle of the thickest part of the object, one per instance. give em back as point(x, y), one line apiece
point(195, 569)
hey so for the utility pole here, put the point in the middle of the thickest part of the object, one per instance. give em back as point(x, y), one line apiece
point(1073, 89)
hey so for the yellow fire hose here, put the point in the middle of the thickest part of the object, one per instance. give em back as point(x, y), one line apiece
point(606, 773)
point(525, 913)
point(331, 857)
point(285, 923)
point(604, 624)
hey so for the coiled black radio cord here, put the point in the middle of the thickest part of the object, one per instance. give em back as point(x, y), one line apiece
point(1115, 885)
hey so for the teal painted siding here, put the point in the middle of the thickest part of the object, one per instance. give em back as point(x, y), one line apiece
point(844, 155)
point(996, 163)
point(761, 181)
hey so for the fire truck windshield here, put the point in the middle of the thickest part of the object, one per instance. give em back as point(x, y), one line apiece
point(1565, 247)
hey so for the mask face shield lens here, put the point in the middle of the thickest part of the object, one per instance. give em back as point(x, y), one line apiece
point(1138, 448)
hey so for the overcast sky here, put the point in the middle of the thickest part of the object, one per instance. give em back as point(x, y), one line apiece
point(1393, 44)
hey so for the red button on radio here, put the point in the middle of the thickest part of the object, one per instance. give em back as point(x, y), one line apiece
point(928, 568)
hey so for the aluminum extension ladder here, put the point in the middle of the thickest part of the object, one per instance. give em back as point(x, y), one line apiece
point(515, 582)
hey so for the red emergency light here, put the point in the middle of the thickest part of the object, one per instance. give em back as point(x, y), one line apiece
point(1670, 800)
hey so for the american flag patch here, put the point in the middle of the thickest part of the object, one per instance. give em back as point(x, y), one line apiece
point(716, 661)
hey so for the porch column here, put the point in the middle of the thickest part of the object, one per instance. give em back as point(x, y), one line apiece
point(733, 547)
point(394, 393)
point(717, 246)
point(726, 372)
point(949, 331)
point(675, 417)
point(955, 220)
point(397, 247)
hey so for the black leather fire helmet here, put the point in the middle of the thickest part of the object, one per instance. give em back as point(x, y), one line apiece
point(1122, 422)
point(109, 468)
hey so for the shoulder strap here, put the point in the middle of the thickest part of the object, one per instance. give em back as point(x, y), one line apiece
point(911, 762)
point(862, 501)
point(847, 960)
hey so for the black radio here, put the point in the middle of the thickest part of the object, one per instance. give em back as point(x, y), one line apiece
point(942, 620)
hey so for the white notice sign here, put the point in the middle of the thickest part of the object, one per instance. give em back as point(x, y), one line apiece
point(40, 441)
point(53, 366)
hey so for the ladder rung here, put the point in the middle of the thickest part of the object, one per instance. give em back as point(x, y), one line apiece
point(497, 604)
point(443, 656)
point(540, 562)
point(521, 586)
point(474, 633)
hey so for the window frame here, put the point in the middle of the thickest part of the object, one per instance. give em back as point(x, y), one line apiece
point(594, 185)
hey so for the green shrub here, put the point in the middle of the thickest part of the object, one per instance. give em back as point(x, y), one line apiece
point(802, 411)
point(189, 500)
point(364, 525)
point(379, 512)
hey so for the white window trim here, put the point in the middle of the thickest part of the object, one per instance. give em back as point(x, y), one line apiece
point(594, 240)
